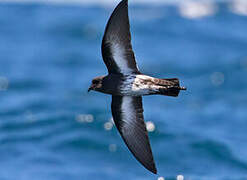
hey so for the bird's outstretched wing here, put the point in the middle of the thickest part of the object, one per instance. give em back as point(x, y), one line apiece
point(127, 113)
point(116, 45)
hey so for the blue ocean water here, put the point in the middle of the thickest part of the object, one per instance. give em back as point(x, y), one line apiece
point(51, 128)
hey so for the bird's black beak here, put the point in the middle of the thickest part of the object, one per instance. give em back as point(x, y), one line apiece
point(89, 89)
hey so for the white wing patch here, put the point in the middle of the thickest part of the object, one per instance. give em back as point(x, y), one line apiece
point(118, 55)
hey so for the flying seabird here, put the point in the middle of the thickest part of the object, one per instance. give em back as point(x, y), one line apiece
point(127, 85)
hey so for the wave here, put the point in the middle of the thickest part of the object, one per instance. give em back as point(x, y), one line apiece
point(113, 2)
point(191, 9)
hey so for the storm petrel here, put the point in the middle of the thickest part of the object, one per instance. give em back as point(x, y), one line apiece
point(127, 85)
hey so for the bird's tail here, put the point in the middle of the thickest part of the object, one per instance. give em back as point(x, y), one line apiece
point(170, 87)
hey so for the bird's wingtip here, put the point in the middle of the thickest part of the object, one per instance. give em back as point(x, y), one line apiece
point(154, 171)
point(152, 168)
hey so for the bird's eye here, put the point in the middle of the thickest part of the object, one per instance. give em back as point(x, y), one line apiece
point(95, 81)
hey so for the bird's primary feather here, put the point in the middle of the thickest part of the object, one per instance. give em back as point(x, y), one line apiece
point(127, 113)
point(116, 44)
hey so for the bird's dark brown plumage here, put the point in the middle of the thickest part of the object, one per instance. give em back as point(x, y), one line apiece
point(126, 85)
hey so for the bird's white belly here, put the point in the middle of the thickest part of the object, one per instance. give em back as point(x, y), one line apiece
point(134, 85)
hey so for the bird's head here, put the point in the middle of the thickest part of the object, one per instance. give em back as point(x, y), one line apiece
point(97, 84)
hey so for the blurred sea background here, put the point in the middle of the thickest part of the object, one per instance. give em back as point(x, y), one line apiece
point(52, 129)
